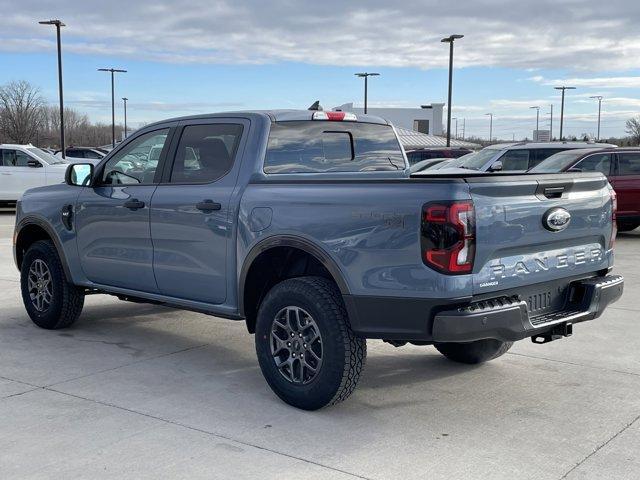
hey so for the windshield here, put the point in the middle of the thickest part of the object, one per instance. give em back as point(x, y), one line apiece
point(557, 162)
point(47, 157)
point(477, 160)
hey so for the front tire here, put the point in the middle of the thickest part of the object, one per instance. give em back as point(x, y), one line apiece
point(307, 352)
point(50, 300)
point(479, 351)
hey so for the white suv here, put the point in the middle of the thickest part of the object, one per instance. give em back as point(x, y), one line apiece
point(25, 166)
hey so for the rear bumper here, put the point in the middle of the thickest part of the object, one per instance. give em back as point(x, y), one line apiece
point(504, 318)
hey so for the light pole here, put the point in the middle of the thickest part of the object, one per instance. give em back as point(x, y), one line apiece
point(58, 24)
point(563, 88)
point(551, 123)
point(366, 76)
point(456, 119)
point(537, 121)
point(490, 126)
point(450, 39)
point(599, 98)
point(464, 127)
point(113, 104)
point(124, 99)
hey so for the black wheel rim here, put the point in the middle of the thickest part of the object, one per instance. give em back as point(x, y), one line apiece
point(296, 345)
point(39, 285)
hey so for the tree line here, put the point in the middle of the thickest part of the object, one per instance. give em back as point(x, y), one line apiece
point(25, 117)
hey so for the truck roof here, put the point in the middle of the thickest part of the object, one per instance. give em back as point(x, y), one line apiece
point(273, 115)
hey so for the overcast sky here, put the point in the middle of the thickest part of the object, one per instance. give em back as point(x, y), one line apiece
point(198, 56)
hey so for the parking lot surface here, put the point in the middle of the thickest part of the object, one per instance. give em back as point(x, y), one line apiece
point(143, 391)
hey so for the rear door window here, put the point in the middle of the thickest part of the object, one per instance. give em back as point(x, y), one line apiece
point(320, 146)
point(599, 162)
point(629, 163)
point(93, 155)
point(539, 154)
point(515, 160)
point(206, 153)
point(14, 158)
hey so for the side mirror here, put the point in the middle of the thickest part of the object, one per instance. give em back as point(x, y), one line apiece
point(496, 167)
point(79, 174)
point(33, 164)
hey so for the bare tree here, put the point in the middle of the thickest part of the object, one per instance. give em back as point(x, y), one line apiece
point(633, 129)
point(20, 111)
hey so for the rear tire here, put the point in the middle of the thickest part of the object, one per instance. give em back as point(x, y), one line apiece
point(307, 352)
point(50, 300)
point(474, 352)
point(627, 226)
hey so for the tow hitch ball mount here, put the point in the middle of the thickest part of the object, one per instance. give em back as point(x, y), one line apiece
point(559, 331)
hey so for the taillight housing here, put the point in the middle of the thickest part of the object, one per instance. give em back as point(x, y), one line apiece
point(448, 236)
point(614, 221)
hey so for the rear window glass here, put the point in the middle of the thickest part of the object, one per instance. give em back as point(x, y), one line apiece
point(321, 146)
point(629, 163)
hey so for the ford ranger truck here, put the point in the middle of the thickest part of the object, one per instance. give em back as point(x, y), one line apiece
point(307, 226)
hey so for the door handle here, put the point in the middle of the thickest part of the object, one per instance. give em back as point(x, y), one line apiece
point(134, 204)
point(208, 206)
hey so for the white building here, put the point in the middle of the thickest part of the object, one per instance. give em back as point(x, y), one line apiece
point(426, 119)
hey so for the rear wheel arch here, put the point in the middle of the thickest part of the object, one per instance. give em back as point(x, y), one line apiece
point(276, 259)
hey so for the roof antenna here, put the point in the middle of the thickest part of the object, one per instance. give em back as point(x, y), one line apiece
point(316, 106)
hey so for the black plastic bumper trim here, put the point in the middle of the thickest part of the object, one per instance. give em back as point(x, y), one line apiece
point(511, 321)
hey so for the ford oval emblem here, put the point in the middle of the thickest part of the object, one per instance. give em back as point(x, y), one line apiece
point(556, 219)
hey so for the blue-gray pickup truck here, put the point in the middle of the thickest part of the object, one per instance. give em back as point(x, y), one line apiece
point(308, 226)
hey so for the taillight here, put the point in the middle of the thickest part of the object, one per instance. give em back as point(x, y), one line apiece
point(614, 222)
point(448, 236)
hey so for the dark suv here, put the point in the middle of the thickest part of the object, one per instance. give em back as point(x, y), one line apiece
point(420, 154)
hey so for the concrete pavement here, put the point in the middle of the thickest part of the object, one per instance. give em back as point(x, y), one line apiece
point(139, 391)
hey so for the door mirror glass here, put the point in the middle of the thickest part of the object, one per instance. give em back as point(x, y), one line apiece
point(79, 174)
point(497, 166)
point(33, 164)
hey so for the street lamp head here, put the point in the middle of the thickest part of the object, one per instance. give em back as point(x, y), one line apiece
point(366, 74)
point(451, 38)
point(536, 107)
point(565, 88)
point(52, 22)
point(112, 70)
point(490, 114)
point(597, 97)
point(125, 98)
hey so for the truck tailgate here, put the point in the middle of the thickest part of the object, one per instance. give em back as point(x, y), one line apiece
point(516, 245)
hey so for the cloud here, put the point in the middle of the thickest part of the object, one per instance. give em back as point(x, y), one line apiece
point(596, 82)
point(581, 34)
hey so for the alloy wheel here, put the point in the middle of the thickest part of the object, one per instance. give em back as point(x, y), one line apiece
point(296, 345)
point(39, 285)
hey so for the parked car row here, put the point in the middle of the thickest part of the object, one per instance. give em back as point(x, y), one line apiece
point(25, 166)
point(621, 166)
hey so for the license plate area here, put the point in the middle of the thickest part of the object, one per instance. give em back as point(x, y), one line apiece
point(543, 300)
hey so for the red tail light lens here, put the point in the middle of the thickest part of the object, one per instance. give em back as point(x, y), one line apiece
point(448, 236)
point(614, 221)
